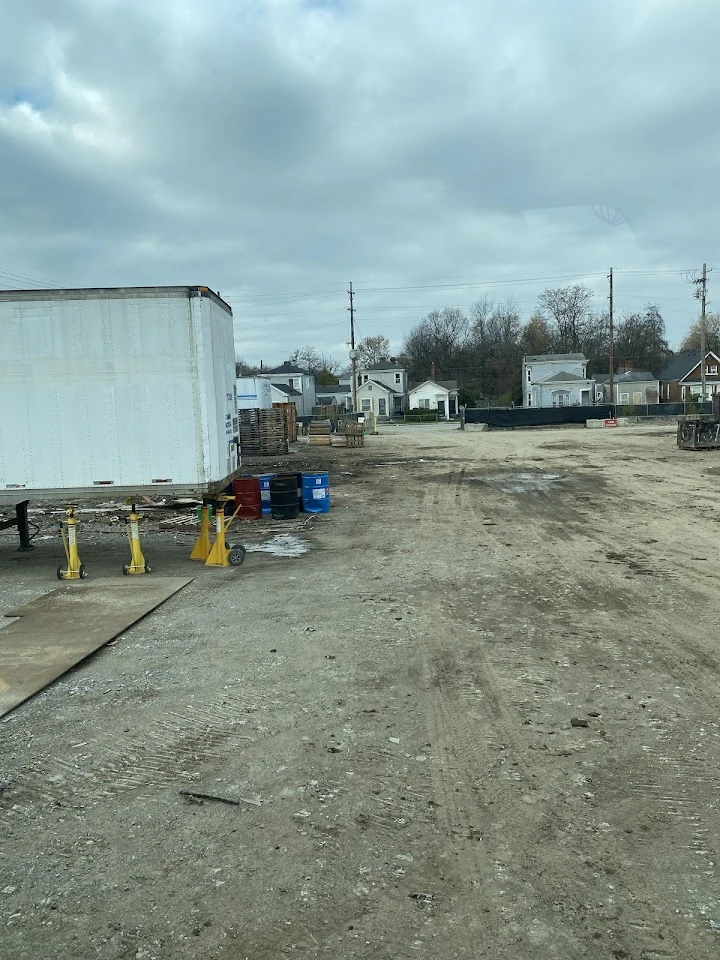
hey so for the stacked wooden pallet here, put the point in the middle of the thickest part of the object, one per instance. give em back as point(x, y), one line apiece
point(273, 432)
point(319, 433)
point(263, 433)
point(290, 411)
point(249, 428)
point(354, 435)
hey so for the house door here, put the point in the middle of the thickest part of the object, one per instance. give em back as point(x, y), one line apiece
point(382, 407)
point(441, 408)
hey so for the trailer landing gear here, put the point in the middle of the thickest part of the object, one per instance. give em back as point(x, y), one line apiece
point(222, 555)
point(202, 548)
point(74, 570)
point(137, 560)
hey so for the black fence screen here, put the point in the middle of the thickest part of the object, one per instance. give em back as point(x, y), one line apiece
point(506, 418)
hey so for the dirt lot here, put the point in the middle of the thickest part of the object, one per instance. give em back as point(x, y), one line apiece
point(399, 699)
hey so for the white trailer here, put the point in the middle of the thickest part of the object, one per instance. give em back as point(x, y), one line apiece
point(254, 393)
point(116, 392)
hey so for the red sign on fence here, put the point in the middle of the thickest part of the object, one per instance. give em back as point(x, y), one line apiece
point(610, 423)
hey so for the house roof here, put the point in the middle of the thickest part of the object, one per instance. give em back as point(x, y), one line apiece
point(449, 385)
point(286, 368)
point(683, 364)
point(563, 377)
point(289, 391)
point(557, 357)
point(383, 365)
point(631, 376)
point(376, 383)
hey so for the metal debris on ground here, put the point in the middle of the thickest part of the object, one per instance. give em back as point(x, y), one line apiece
point(193, 796)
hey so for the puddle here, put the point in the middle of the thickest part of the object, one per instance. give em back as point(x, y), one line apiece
point(524, 482)
point(284, 545)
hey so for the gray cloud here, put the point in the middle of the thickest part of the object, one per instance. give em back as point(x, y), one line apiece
point(279, 149)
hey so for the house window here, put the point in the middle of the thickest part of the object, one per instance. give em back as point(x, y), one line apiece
point(561, 398)
point(624, 398)
point(369, 386)
point(424, 404)
point(365, 378)
point(529, 400)
point(296, 383)
point(529, 374)
point(366, 406)
point(397, 378)
point(712, 371)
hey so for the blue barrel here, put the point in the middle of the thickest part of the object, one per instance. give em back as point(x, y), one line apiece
point(265, 479)
point(316, 492)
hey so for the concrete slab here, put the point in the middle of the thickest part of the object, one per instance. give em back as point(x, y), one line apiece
point(58, 630)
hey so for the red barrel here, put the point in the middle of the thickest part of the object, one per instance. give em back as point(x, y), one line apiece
point(246, 491)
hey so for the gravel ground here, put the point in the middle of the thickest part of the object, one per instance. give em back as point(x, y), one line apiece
point(477, 717)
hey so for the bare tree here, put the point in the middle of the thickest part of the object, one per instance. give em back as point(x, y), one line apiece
point(536, 338)
point(372, 350)
point(243, 369)
point(439, 339)
point(567, 309)
point(493, 353)
point(691, 340)
point(314, 361)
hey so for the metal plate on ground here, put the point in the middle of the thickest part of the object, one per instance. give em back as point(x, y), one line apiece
point(57, 631)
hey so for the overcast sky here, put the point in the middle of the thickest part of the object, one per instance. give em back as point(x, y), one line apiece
point(429, 152)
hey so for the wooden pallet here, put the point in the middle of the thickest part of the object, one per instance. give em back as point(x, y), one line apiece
point(263, 432)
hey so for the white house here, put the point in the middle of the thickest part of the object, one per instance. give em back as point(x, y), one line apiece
point(375, 397)
point(390, 374)
point(556, 380)
point(299, 381)
point(281, 393)
point(440, 395)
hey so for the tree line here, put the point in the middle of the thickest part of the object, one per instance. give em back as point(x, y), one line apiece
point(483, 348)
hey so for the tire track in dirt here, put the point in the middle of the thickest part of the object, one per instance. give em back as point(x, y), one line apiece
point(517, 673)
point(169, 752)
point(484, 790)
point(666, 780)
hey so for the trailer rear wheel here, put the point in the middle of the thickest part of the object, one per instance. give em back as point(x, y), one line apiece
point(236, 554)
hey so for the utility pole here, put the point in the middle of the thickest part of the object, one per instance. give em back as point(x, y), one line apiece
point(701, 295)
point(612, 342)
point(353, 354)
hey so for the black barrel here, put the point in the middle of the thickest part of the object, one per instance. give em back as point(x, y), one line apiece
point(284, 496)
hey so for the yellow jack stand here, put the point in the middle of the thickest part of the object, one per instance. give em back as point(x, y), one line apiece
point(137, 560)
point(74, 570)
point(201, 550)
point(221, 555)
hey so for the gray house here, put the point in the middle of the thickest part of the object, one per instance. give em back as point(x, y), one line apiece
point(301, 383)
point(557, 380)
point(630, 388)
point(338, 395)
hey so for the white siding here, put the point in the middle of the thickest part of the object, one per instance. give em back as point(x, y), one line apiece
point(129, 389)
point(254, 392)
point(426, 396)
